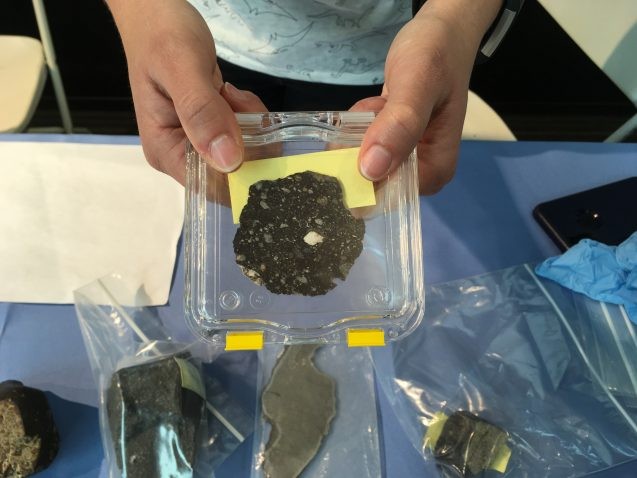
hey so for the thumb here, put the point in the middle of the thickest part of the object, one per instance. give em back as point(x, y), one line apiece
point(206, 118)
point(398, 127)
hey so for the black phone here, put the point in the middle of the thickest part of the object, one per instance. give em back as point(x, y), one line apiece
point(606, 214)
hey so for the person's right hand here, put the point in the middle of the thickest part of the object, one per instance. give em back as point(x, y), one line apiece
point(177, 87)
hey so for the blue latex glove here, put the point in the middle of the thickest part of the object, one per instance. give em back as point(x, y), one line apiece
point(604, 273)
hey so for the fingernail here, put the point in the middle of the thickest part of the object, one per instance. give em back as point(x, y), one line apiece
point(234, 91)
point(376, 162)
point(225, 153)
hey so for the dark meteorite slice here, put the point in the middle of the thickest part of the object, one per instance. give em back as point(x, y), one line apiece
point(295, 235)
point(469, 443)
point(153, 420)
point(29, 440)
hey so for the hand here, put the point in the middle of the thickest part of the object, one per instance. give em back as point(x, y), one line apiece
point(177, 87)
point(424, 98)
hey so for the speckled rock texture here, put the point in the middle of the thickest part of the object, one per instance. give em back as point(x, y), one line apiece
point(153, 420)
point(296, 236)
point(29, 440)
point(300, 403)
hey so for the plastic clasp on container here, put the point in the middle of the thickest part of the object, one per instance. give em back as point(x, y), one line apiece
point(381, 296)
point(365, 337)
point(251, 340)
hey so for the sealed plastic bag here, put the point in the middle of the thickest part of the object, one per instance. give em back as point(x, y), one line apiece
point(513, 374)
point(160, 414)
point(339, 404)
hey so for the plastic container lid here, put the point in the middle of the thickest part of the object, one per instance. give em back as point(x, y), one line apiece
point(381, 296)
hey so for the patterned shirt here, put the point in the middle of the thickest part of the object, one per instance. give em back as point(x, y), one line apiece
point(325, 41)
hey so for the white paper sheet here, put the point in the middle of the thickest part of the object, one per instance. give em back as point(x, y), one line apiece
point(71, 213)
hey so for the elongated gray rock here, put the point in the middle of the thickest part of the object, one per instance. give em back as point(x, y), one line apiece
point(300, 403)
point(296, 236)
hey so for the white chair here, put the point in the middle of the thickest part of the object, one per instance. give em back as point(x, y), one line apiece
point(482, 122)
point(23, 66)
point(607, 32)
point(22, 77)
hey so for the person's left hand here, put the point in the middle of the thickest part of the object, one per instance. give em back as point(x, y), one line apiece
point(424, 99)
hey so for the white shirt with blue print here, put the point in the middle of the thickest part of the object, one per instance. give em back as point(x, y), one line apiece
point(325, 41)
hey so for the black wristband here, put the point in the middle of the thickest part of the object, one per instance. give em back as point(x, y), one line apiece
point(496, 32)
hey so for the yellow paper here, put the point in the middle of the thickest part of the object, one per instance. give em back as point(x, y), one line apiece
point(340, 163)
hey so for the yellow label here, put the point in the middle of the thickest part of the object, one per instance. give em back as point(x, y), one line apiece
point(435, 429)
point(339, 163)
point(244, 341)
point(501, 459)
point(190, 377)
point(365, 338)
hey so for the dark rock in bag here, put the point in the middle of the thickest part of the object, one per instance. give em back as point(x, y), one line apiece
point(29, 439)
point(469, 443)
point(296, 236)
point(154, 418)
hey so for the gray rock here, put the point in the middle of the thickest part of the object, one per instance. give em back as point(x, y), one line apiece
point(300, 403)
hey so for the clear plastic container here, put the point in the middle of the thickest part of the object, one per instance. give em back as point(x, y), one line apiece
point(383, 291)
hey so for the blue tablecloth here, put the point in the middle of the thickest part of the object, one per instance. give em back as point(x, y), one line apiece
point(480, 222)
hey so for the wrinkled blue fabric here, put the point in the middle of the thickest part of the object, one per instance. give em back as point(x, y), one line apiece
point(604, 273)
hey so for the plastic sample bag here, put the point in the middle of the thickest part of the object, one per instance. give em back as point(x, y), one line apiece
point(540, 381)
point(351, 444)
point(160, 414)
